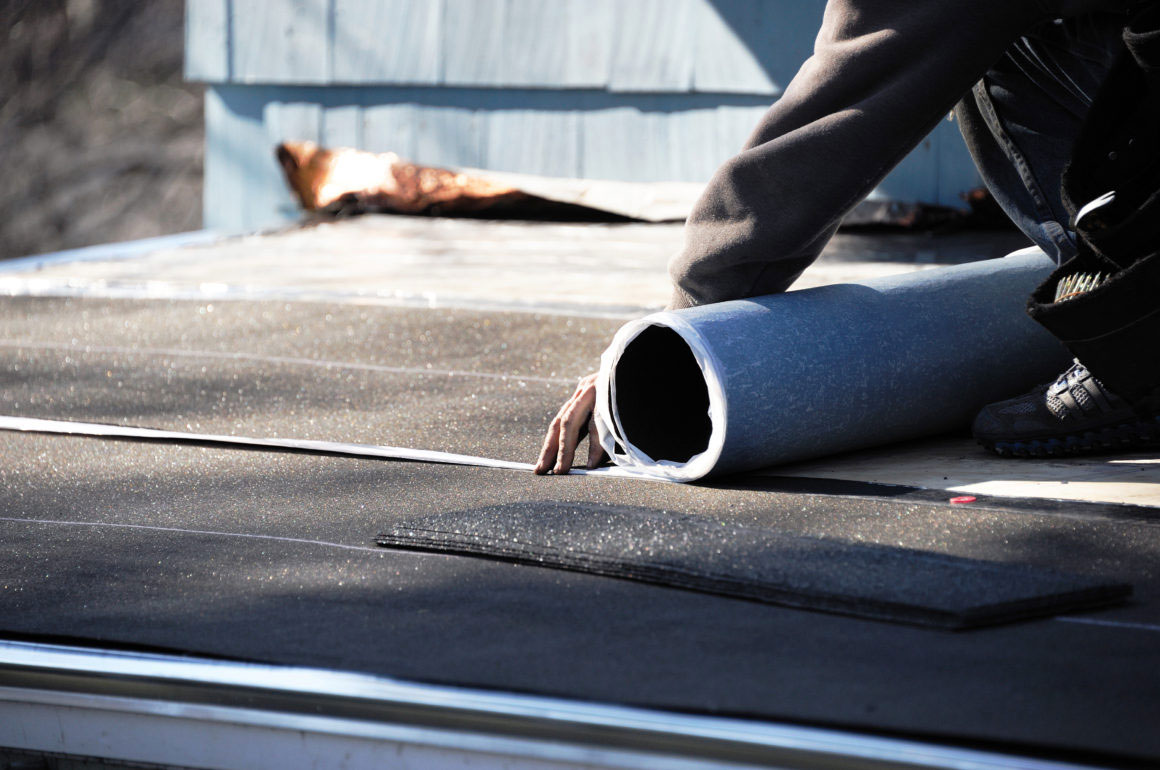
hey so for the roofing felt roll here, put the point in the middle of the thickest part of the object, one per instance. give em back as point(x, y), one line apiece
point(872, 581)
point(745, 384)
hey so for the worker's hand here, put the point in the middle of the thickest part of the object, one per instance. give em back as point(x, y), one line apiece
point(572, 422)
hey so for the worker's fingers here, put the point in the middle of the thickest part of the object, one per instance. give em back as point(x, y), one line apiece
point(576, 416)
point(595, 451)
point(577, 422)
point(550, 448)
point(567, 428)
point(569, 438)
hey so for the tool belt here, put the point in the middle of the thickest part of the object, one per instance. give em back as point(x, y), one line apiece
point(1112, 190)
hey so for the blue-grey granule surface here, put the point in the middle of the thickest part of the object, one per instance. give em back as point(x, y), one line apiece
point(271, 556)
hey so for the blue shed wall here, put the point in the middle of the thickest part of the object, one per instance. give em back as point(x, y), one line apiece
point(647, 90)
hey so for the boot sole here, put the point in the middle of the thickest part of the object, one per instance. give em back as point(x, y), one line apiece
point(1120, 437)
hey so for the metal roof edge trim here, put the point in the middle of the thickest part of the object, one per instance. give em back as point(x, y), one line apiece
point(290, 697)
point(113, 251)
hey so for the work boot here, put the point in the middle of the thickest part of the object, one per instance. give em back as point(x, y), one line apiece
point(1076, 414)
point(1104, 303)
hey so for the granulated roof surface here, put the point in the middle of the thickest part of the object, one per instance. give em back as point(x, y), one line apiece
point(270, 555)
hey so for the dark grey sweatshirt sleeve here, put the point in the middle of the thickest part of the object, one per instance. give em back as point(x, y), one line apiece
point(883, 73)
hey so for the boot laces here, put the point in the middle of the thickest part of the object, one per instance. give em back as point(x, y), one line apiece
point(1076, 393)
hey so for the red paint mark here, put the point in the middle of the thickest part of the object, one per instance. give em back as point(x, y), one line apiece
point(963, 499)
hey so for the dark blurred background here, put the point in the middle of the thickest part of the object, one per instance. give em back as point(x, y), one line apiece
point(100, 140)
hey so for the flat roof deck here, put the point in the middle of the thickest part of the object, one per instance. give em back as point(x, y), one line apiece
point(416, 333)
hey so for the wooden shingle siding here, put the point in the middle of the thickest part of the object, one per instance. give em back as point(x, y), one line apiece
point(753, 47)
point(473, 42)
point(388, 41)
point(785, 38)
point(342, 123)
point(734, 125)
point(243, 188)
point(630, 137)
point(535, 46)
point(654, 46)
point(598, 135)
point(548, 140)
point(207, 38)
point(280, 41)
point(720, 65)
point(626, 137)
point(647, 46)
point(587, 42)
point(389, 127)
point(630, 90)
point(293, 121)
point(701, 139)
point(449, 136)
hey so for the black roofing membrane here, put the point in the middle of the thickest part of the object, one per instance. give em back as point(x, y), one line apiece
point(271, 556)
point(871, 581)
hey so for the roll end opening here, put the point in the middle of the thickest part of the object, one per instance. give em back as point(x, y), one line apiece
point(662, 401)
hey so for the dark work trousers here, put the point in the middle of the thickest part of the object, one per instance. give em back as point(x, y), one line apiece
point(1021, 120)
point(883, 73)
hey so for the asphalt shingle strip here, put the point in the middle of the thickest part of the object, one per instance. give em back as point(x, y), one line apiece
point(870, 581)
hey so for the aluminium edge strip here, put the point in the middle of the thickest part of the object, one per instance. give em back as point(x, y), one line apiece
point(199, 689)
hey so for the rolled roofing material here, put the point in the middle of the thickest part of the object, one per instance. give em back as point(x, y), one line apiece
point(740, 385)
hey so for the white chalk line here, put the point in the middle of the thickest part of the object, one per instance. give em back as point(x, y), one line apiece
point(1111, 623)
point(159, 290)
point(286, 360)
point(180, 530)
point(374, 451)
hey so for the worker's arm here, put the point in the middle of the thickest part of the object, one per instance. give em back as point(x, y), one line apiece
point(883, 73)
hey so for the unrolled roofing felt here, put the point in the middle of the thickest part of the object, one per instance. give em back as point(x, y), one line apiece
point(871, 581)
point(270, 556)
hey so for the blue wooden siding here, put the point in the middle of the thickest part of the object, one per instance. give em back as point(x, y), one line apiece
point(387, 41)
point(633, 90)
point(597, 135)
point(654, 47)
point(207, 40)
point(280, 41)
point(651, 46)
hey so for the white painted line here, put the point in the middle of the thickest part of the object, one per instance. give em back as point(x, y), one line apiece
point(289, 360)
point(1111, 623)
point(375, 451)
point(179, 530)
